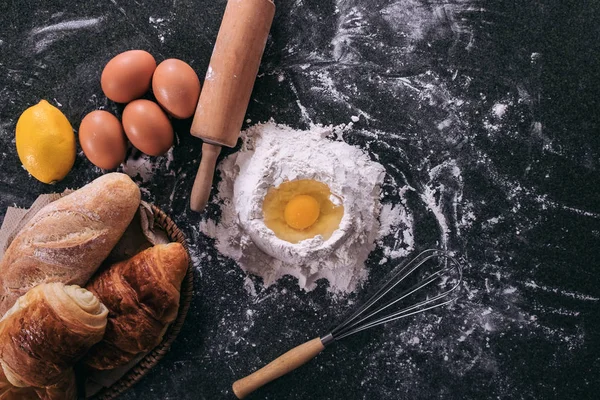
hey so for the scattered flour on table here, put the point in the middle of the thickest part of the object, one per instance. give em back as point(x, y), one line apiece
point(145, 167)
point(40, 38)
point(162, 26)
point(272, 154)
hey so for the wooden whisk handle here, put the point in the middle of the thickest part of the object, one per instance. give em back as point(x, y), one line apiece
point(280, 366)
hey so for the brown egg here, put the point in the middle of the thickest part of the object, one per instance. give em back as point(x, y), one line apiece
point(102, 139)
point(147, 127)
point(128, 75)
point(176, 87)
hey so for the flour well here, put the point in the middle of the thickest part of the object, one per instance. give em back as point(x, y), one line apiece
point(273, 154)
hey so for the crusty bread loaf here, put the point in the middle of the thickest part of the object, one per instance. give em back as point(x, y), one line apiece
point(67, 240)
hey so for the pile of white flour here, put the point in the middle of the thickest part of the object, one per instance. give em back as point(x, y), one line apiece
point(273, 154)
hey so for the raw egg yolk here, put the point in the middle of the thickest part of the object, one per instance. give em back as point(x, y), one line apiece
point(302, 211)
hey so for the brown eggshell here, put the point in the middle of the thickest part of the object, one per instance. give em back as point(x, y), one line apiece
point(102, 139)
point(128, 75)
point(147, 127)
point(176, 87)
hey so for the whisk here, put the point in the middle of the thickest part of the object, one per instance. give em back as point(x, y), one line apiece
point(446, 275)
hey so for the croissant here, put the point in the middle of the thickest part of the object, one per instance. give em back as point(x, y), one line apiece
point(65, 389)
point(142, 296)
point(46, 331)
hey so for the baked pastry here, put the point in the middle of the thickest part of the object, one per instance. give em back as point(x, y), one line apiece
point(47, 331)
point(65, 389)
point(142, 296)
point(67, 240)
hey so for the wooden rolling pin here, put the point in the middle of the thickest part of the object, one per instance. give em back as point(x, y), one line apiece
point(228, 84)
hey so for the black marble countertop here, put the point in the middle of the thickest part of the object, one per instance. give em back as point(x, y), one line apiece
point(490, 106)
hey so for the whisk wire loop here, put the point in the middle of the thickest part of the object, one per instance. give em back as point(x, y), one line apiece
point(361, 319)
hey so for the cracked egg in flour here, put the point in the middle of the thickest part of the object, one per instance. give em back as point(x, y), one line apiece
point(298, 203)
point(302, 209)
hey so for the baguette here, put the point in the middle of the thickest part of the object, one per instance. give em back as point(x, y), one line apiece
point(67, 240)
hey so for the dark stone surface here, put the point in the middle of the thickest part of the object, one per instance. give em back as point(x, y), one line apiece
point(503, 92)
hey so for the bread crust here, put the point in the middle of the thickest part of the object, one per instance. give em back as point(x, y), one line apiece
point(67, 240)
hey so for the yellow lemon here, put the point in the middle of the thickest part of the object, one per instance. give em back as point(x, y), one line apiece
point(45, 142)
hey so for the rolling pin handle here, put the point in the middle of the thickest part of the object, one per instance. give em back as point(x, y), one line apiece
point(204, 177)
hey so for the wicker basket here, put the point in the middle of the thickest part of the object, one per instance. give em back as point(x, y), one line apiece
point(151, 359)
